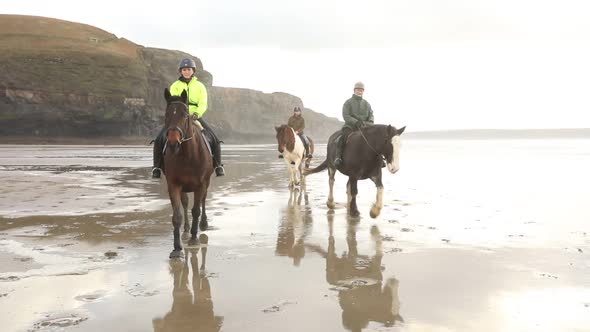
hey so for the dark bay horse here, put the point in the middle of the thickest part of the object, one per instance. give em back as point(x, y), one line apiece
point(291, 146)
point(362, 159)
point(188, 166)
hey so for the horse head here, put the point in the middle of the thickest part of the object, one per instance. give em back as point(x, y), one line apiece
point(285, 138)
point(391, 148)
point(177, 120)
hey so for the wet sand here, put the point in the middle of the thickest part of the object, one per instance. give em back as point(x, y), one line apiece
point(85, 236)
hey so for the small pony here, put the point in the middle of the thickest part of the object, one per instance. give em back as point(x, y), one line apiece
point(291, 146)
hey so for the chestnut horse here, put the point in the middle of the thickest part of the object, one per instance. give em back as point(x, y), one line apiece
point(188, 166)
point(291, 146)
point(362, 158)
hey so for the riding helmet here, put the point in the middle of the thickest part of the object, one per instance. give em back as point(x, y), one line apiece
point(187, 63)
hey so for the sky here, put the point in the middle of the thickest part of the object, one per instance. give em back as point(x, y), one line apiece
point(426, 64)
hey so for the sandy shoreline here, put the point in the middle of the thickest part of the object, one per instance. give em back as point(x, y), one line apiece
point(275, 259)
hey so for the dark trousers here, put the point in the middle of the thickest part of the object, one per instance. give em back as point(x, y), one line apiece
point(305, 142)
point(214, 141)
point(340, 147)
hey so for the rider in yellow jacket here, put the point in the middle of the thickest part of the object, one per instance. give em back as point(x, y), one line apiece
point(197, 106)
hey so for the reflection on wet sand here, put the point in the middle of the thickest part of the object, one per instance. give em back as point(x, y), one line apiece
point(295, 226)
point(358, 278)
point(190, 311)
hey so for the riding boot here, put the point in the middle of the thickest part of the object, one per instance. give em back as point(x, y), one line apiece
point(158, 162)
point(338, 159)
point(340, 146)
point(219, 171)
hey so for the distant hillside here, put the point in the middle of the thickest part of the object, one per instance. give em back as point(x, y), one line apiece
point(60, 79)
point(501, 134)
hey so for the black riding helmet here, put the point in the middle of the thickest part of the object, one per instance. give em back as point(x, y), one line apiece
point(297, 109)
point(187, 63)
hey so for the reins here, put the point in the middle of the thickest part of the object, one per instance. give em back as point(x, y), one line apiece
point(366, 141)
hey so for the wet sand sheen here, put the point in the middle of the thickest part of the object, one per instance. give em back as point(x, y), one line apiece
point(280, 260)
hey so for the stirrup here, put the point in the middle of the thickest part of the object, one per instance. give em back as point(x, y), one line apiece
point(219, 171)
point(156, 173)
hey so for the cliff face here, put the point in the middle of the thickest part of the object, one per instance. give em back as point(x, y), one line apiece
point(64, 79)
point(243, 114)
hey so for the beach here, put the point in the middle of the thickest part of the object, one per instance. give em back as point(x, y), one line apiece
point(475, 235)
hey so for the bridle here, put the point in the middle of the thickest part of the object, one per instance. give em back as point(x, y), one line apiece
point(188, 124)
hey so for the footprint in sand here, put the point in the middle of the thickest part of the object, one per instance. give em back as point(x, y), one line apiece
point(58, 321)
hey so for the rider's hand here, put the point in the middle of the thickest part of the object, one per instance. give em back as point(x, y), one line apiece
point(195, 117)
point(360, 124)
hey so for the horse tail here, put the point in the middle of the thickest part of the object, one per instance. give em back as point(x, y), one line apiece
point(317, 169)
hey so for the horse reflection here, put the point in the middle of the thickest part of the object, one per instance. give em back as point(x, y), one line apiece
point(363, 296)
point(296, 224)
point(191, 311)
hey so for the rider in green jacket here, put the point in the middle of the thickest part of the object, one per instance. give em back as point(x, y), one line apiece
point(197, 106)
point(357, 113)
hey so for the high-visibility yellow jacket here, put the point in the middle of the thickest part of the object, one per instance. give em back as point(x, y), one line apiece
point(197, 95)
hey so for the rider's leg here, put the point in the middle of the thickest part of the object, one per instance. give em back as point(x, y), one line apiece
point(305, 143)
point(158, 162)
point(340, 148)
point(215, 149)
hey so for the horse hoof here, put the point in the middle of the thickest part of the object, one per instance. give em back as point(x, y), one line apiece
point(375, 212)
point(176, 254)
point(203, 225)
point(354, 213)
point(193, 242)
point(331, 205)
point(185, 235)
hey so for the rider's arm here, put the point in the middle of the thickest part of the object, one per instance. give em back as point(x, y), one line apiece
point(370, 117)
point(201, 95)
point(347, 114)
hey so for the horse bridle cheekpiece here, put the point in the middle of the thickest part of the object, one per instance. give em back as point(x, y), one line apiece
point(177, 128)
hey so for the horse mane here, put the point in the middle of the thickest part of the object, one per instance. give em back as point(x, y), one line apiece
point(290, 143)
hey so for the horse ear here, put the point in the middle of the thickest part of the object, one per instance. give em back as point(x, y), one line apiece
point(167, 94)
point(390, 131)
point(401, 130)
point(184, 96)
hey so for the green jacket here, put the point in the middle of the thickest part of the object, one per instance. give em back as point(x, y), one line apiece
point(197, 95)
point(355, 109)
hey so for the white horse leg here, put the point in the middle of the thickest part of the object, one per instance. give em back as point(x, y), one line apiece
point(331, 174)
point(289, 170)
point(297, 172)
point(378, 205)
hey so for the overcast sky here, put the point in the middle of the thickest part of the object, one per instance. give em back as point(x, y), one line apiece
point(427, 64)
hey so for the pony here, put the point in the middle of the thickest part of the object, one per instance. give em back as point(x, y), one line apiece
point(188, 166)
point(291, 146)
point(362, 159)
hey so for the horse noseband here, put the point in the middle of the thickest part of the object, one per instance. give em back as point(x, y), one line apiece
point(179, 130)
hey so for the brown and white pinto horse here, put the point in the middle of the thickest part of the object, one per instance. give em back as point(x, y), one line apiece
point(188, 167)
point(291, 146)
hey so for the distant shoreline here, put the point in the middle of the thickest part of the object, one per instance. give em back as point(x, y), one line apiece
point(501, 134)
point(475, 134)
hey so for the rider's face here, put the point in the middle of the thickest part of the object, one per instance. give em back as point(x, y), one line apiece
point(359, 92)
point(186, 72)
